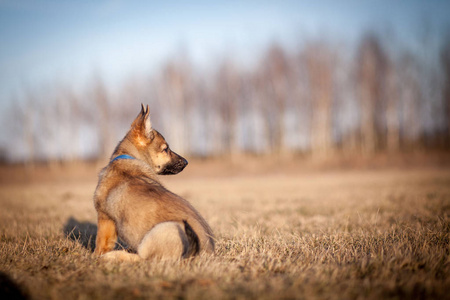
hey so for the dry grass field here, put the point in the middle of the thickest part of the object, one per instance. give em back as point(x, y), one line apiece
point(317, 234)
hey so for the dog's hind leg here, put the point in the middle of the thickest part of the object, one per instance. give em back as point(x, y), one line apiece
point(106, 235)
point(165, 241)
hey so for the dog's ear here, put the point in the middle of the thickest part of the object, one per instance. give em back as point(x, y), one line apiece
point(142, 125)
point(148, 130)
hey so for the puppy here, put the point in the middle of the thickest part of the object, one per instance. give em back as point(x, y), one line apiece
point(132, 204)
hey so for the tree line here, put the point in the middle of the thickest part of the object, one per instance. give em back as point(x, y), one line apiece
point(316, 99)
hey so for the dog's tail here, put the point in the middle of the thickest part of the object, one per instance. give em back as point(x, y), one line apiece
point(193, 241)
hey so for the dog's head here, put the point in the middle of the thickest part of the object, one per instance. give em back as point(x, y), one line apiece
point(152, 146)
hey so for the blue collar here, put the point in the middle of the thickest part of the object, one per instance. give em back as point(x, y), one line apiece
point(123, 156)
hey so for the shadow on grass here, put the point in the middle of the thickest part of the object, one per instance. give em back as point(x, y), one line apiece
point(84, 233)
point(10, 289)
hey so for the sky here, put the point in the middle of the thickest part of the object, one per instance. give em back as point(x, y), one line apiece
point(61, 40)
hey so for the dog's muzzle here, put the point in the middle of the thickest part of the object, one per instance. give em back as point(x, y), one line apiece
point(175, 167)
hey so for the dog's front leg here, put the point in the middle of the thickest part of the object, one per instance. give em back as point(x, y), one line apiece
point(106, 234)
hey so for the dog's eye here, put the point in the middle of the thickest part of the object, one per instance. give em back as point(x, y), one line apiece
point(165, 149)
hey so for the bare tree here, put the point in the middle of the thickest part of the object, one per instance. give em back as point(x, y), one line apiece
point(22, 119)
point(100, 97)
point(411, 96)
point(175, 95)
point(227, 87)
point(392, 109)
point(371, 72)
point(320, 73)
point(276, 75)
point(28, 117)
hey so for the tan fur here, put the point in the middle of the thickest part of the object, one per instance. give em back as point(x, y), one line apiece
point(131, 203)
point(106, 234)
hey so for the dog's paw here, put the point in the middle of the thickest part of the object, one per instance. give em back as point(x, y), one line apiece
point(120, 256)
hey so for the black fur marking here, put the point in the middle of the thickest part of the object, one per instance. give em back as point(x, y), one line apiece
point(194, 242)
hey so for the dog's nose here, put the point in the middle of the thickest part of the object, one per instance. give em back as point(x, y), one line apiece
point(185, 162)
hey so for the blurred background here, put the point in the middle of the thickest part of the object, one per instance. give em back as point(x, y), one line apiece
point(224, 78)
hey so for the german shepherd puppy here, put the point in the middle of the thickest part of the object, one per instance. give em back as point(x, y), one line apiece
point(132, 204)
